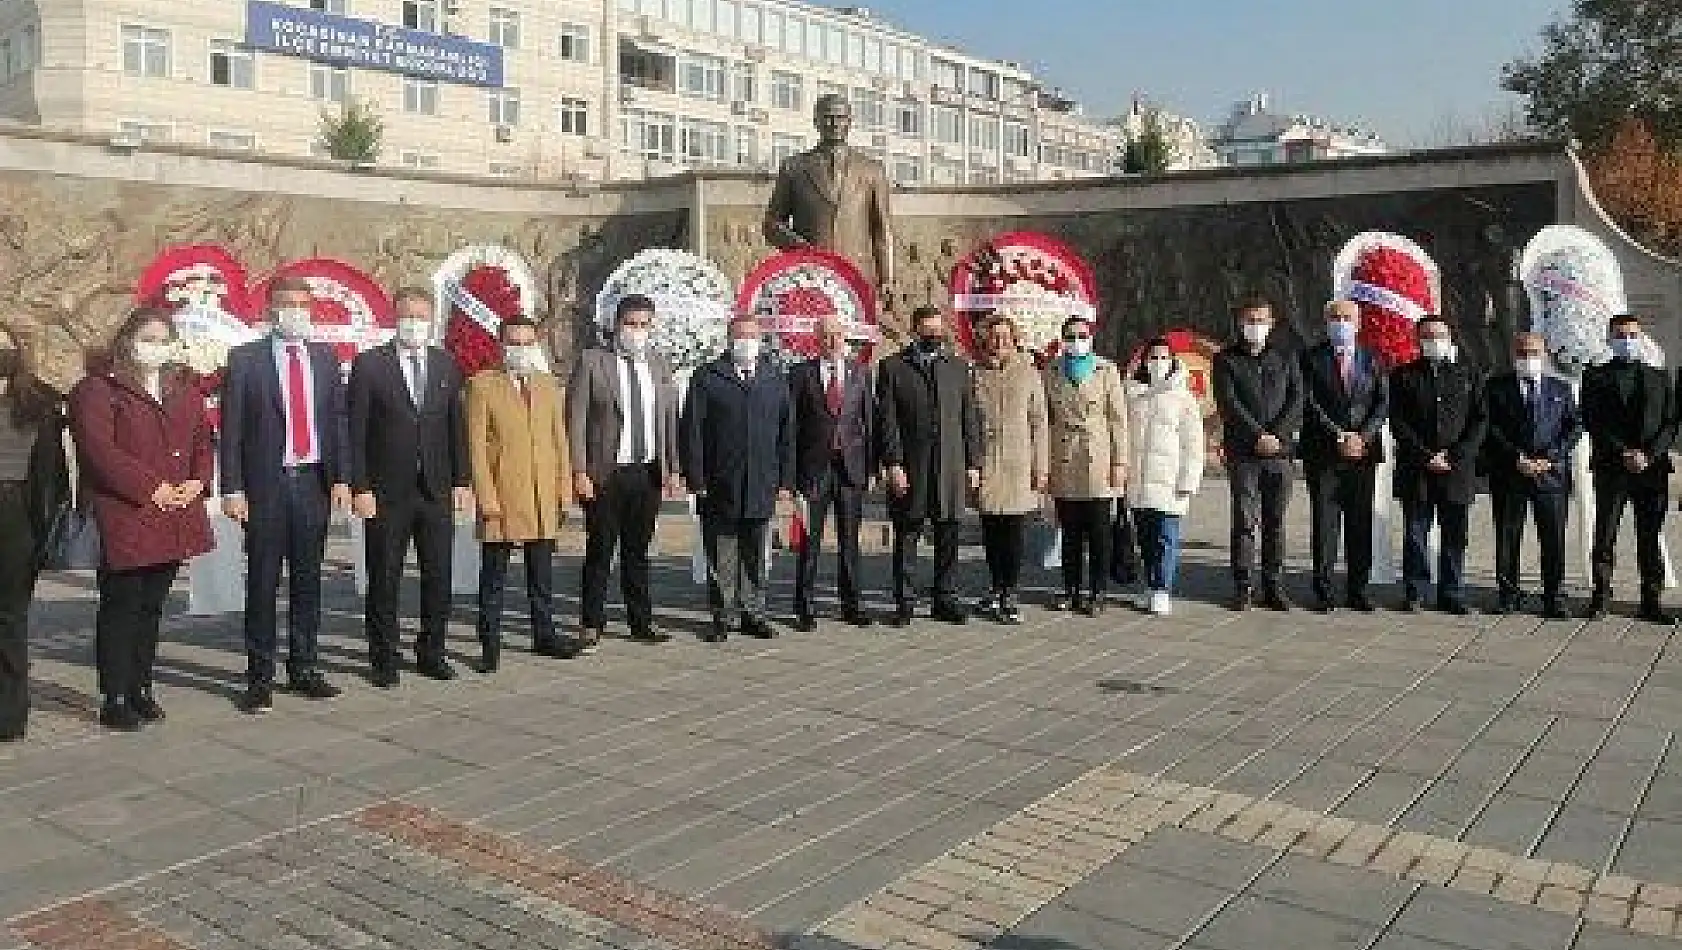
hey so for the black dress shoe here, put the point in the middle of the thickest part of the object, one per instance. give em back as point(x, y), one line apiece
point(902, 616)
point(718, 632)
point(758, 629)
point(146, 706)
point(1454, 608)
point(1278, 600)
point(1068, 600)
point(1009, 612)
point(1362, 604)
point(1655, 614)
point(1094, 605)
point(651, 635)
point(117, 715)
point(1553, 608)
point(1505, 607)
point(384, 677)
point(1324, 604)
point(437, 669)
point(559, 648)
point(257, 699)
point(588, 639)
point(950, 611)
point(1598, 609)
point(12, 735)
point(1412, 605)
point(856, 617)
point(804, 623)
point(312, 685)
point(490, 657)
point(1242, 599)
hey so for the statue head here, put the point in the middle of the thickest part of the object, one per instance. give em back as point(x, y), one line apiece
point(833, 115)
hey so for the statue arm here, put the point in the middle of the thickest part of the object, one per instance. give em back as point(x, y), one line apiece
point(776, 228)
point(882, 229)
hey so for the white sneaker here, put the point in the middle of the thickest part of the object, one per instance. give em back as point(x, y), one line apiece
point(1161, 604)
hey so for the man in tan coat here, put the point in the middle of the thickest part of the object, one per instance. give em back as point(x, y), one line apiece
point(521, 477)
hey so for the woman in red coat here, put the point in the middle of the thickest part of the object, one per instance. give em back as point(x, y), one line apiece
point(144, 445)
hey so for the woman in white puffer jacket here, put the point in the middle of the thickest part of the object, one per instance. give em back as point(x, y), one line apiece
point(1166, 470)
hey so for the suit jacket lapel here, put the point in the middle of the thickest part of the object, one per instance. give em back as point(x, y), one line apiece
point(269, 374)
point(813, 165)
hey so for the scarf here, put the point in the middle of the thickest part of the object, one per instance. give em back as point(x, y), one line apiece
point(1079, 369)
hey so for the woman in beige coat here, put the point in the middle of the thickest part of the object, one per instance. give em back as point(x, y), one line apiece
point(1010, 397)
point(521, 474)
point(1088, 421)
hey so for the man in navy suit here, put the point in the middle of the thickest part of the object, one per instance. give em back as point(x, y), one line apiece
point(283, 455)
point(1533, 429)
point(1347, 403)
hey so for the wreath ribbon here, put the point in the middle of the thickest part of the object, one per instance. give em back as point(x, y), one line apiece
point(472, 306)
point(1362, 292)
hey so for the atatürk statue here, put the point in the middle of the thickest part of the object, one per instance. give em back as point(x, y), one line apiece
point(835, 197)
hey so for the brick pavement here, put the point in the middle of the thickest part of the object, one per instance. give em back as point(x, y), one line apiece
point(1488, 781)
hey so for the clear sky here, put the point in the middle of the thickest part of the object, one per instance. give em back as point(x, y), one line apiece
point(1400, 66)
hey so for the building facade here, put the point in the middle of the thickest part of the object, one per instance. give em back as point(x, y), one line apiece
point(1188, 148)
point(590, 89)
point(1255, 135)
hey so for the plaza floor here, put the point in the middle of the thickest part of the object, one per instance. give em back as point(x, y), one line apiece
point(1207, 780)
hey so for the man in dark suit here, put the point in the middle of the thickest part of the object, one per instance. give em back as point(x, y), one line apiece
point(410, 470)
point(1438, 420)
point(1533, 429)
point(622, 425)
point(283, 454)
point(929, 439)
point(1347, 404)
point(834, 405)
point(738, 459)
point(1629, 410)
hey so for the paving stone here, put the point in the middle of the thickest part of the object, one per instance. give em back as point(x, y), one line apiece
point(1253, 922)
point(1468, 921)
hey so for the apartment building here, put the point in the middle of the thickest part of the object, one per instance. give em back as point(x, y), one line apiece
point(583, 90)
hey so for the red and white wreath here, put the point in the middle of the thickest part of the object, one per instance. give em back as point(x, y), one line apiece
point(1395, 283)
point(204, 288)
point(1034, 279)
point(350, 311)
point(476, 289)
point(792, 292)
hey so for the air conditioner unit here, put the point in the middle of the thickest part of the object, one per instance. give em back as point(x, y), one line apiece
point(754, 54)
point(759, 115)
point(505, 134)
point(879, 141)
point(738, 108)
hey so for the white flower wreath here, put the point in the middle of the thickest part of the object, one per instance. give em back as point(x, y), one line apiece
point(692, 300)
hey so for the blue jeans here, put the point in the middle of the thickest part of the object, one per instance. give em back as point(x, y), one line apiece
point(1451, 554)
point(1159, 546)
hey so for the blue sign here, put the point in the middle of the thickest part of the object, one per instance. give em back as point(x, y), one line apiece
point(346, 41)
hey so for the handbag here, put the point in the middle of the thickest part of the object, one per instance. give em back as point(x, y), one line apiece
point(72, 542)
point(1126, 566)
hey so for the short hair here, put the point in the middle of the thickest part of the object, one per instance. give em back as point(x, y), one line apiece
point(289, 284)
point(927, 312)
point(1622, 320)
point(999, 319)
point(1252, 302)
point(829, 97)
point(514, 322)
point(406, 294)
point(749, 318)
point(1342, 308)
point(1434, 318)
point(1529, 336)
point(1071, 321)
point(1161, 341)
point(632, 303)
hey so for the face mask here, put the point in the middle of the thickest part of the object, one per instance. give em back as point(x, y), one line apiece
point(1530, 367)
point(930, 345)
point(523, 360)
point(152, 355)
point(1256, 333)
point(1079, 347)
point(1342, 333)
point(744, 352)
point(1627, 348)
point(414, 332)
point(292, 323)
point(1439, 351)
point(1159, 369)
point(633, 341)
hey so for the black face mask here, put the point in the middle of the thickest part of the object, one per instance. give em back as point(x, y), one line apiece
point(930, 345)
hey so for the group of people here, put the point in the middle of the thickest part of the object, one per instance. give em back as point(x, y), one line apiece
point(409, 446)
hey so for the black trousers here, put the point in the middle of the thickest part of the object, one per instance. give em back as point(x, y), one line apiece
point(399, 520)
point(1340, 500)
point(735, 549)
point(17, 586)
point(540, 588)
point(1510, 505)
point(1005, 539)
point(621, 518)
point(1261, 494)
point(1651, 500)
point(906, 536)
point(831, 491)
point(1086, 542)
point(1453, 519)
point(125, 627)
point(291, 531)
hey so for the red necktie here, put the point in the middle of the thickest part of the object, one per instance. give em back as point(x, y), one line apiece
point(832, 395)
point(1344, 363)
point(298, 404)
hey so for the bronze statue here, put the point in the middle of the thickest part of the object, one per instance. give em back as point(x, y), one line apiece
point(835, 197)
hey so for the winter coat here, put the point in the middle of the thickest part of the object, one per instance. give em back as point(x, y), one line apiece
point(926, 423)
point(1165, 430)
point(1088, 425)
point(737, 441)
point(1011, 403)
point(518, 453)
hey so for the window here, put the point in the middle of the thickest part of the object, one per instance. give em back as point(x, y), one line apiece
point(984, 133)
point(506, 169)
point(504, 106)
point(232, 65)
point(747, 145)
point(329, 83)
point(873, 56)
point(890, 60)
point(704, 142)
point(8, 68)
point(870, 109)
point(701, 15)
point(984, 176)
point(145, 51)
point(420, 96)
point(772, 30)
point(786, 90)
point(944, 172)
point(1017, 140)
point(329, 6)
point(747, 27)
point(651, 135)
point(907, 170)
point(142, 131)
point(835, 45)
point(29, 50)
point(908, 119)
point(855, 50)
point(814, 40)
point(784, 147)
point(421, 15)
point(727, 18)
point(412, 159)
point(829, 89)
point(1017, 92)
point(233, 141)
point(794, 35)
point(702, 77)
point(983, 83)
point(575, 42)
point(628, 6)
point(505, 28)
point(574, 116)
point(948, 125)
point(744, 88)
point(947, 75)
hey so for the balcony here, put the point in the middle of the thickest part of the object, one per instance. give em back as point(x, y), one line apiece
point(645, 66)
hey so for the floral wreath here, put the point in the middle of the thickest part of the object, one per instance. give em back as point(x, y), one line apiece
point(1575, 286)
point(349, 311)
point(1035, 280)
point(691, 298)
point(204, 289)
point(792, 291)
point(1395, 283)
point(475, 289)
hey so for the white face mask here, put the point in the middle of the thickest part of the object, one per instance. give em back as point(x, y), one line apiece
point(744, 352)
point(1530, 367)
point(1080, 346)
point(292, 323)
point(153, 355)
point(524, 360)
point(1438, 350)
point(414, 332)
point(1159, 369)
point(633, 341)
point(1256, 333)
point(1627, 348)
